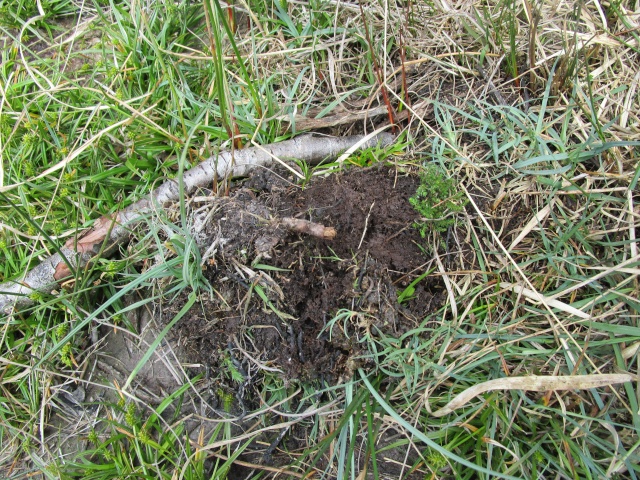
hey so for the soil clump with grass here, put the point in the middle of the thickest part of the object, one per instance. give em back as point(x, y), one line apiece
point(300, 304)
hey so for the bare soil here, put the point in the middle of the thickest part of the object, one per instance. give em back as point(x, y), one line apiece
point(308, 282)
point(373, 258)
point(274, 296)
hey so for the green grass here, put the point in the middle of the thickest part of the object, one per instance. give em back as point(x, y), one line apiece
point(101, 101)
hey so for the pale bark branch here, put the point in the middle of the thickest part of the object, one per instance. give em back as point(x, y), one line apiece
point(111, 230)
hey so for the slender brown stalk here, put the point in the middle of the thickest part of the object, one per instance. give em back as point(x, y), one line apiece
point(378, 73)
point(534, 19)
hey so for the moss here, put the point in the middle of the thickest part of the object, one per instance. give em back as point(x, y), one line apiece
point(437, 200)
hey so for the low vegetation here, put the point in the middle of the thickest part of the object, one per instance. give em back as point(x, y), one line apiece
point(519, 118)
point(437, 200)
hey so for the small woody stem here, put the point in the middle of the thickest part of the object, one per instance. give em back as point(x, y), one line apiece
point(310, 228)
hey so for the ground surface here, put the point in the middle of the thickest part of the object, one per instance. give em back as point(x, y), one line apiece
point(313, 356)
point(373, 258)
point(362, 272)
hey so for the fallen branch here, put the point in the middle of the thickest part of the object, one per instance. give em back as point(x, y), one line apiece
point(535, 383)
point(111, 230)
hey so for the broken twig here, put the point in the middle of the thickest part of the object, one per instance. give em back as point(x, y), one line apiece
point(310, 228)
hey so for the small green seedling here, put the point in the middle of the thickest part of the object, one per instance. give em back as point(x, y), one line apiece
point(437, 200)
point(408, 293)
point(371, 156)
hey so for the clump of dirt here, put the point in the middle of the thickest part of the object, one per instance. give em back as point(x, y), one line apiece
point(278, 293)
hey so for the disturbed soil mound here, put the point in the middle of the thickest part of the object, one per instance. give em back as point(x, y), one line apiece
point(301, 305)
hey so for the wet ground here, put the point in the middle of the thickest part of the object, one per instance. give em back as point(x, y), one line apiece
point(278, 293)
point(297, 306)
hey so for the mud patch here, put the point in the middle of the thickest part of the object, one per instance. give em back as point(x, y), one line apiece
point(289, 314)
point(299, 305)
point(299, 308)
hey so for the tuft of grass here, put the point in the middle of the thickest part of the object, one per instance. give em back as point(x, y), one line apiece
point(19, 12)
point(141, 444)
